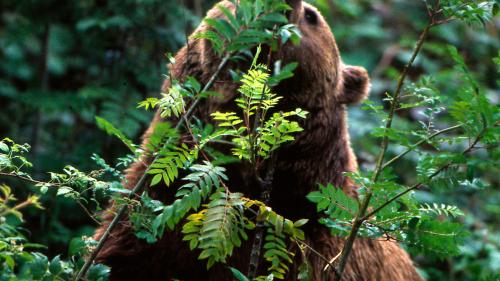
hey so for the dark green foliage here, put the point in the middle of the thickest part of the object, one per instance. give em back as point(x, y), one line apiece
point(20, 259)
point(396, 214)
point(469, 11)
point(436, 236)
point(253, 24)
point(102, 59)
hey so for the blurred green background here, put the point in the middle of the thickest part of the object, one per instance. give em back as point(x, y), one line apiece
point(64, 62)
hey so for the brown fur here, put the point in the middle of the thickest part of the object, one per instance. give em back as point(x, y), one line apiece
point(322, 85)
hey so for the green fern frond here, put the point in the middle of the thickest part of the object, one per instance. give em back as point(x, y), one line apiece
point(219, 228)
point(441, 238)
point(254, 89)
point(170, 160)
point(256, 96)
point(445, 210)
point(203, 179)
point(277, 254)
point(162, 132)
point(280, 223)
point(334, 202)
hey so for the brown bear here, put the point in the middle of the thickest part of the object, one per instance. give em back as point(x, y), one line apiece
point(322, 85)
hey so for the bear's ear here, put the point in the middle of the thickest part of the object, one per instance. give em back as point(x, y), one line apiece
point(356, 85)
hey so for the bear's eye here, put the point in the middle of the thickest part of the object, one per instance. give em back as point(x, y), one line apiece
point(311, 16)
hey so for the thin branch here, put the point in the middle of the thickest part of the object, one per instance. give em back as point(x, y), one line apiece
point(346, 250)
point(428, 8)
point(420, 184)
point(406, 191)
point(53, 184)
point(358, 221)
point(259, 113)
point(387, 234)
point(329, 262)
point(395, 99)
point(88, 212)
point(24, 204)
point(196, 142)
point(412, 147)
point(141, 183)
point(26, 179)
point(209, 84)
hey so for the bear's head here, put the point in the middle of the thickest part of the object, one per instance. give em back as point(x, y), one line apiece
point(321, 80)
point(321, 77)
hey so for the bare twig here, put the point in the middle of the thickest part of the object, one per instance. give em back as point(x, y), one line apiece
point(26, 179)
point(138, 188)
point(88, 212)
point(412, 147)
point(329, 262)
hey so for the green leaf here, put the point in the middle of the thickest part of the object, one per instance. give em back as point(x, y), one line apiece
point(38, 266)
point(4, 147)
point(238, 275)
point(55, 266)
point(156, 179)
point(222, 27)
point(110, 129)
point(76, 245)
point(300, 222)
point(442, 238)
point(275, 18)
point(98, 272)
point(334, 201)
point(63, 190)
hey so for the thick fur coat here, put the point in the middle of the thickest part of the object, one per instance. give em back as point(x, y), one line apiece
point(322, 85)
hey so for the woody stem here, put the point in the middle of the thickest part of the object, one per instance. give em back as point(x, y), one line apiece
point(266, 185)
point(360, 216)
